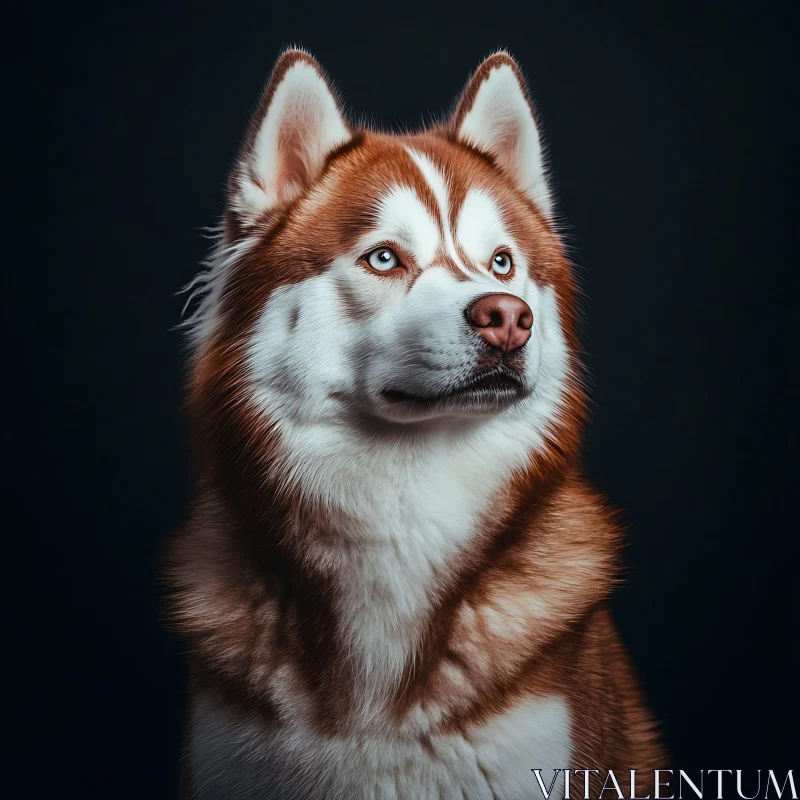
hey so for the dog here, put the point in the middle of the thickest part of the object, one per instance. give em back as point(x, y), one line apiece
point(392, 581)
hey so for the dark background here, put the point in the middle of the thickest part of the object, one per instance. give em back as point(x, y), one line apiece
point(673, 141)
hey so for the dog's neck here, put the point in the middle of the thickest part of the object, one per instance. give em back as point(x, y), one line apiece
point(386, 532)
point(356, 567)
point(391, 543)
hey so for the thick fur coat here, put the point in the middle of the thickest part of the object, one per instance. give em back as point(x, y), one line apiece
point(392, 580)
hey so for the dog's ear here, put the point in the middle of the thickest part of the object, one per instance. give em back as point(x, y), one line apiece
point(297, 124)
point(496, 116)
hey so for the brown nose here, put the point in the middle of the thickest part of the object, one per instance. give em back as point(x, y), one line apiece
point(503, 320)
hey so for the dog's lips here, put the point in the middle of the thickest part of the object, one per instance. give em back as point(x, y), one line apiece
point(499, 386)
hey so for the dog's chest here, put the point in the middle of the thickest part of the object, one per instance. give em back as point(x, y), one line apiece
point(391, 567)
point(236, 757)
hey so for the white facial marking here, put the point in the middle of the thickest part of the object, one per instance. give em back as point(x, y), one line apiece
point(403, 218)
point(480, 229)
point(437, 184)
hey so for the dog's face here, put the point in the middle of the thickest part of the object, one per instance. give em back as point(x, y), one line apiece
point(403, 280)
point(423, 300)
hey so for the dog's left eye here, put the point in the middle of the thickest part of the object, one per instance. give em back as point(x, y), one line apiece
point(502, 264)
point(382, 259)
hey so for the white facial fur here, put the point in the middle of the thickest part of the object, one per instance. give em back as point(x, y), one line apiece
point(312, 361)
point(311, 364)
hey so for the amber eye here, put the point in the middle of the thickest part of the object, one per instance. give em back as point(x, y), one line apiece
point(383, 259)
point(502, 264)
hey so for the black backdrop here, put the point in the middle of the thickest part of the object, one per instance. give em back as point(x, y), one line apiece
point(672, 143)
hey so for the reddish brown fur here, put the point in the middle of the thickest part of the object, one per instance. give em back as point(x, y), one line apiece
point(243, 599)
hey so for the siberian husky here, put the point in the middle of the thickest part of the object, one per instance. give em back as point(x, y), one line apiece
point(392, 581)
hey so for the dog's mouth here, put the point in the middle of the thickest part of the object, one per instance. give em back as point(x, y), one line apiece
point(492, 390)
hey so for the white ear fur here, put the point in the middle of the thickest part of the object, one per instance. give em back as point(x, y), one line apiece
point(495, 115)
point(297, 124)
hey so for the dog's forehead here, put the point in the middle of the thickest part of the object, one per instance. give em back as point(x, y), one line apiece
point(437, 205)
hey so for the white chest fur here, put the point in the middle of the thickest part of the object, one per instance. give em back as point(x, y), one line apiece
point(404, 534)
point(234, 757)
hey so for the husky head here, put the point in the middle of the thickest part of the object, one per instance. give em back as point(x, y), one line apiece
point(400, 286)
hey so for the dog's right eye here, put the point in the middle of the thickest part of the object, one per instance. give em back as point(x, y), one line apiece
point(382, 259)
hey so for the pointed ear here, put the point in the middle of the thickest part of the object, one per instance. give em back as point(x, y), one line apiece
point(298, 122)
point(495, 115)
